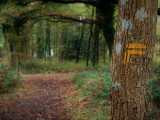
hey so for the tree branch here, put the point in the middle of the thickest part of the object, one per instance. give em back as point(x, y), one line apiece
point(92, 2)
point(64, 18)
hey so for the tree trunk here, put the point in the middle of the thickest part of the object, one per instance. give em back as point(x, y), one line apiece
point(132, 58)
point(48, 41)
point(108, 12)
point(104, 53)
point(40, 41)
point(89, 41)
point(89, 44)
point(80, 43)
point(10, 35)
point(95, 57)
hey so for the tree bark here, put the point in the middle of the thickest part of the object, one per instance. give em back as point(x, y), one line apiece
point(40, 41)
point(80, 42)
point(108, 25)
point(132, 58)
point(95, 56)
point(89, 41)
point(10, 36)
point(48, 41)
point(89, 44)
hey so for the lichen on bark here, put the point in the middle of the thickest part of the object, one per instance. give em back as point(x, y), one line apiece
point(137, 38)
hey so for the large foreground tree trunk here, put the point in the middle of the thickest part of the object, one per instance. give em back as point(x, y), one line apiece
point(132, 58)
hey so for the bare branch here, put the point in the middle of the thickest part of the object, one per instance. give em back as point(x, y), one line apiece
point(90, 2)
point(64, 18)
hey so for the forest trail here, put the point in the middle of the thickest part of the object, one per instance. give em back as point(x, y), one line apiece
point(43, 97)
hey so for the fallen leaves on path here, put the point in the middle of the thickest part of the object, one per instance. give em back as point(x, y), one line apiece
point(43, 98)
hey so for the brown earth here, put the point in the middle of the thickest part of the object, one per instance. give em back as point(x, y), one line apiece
point(43, 97)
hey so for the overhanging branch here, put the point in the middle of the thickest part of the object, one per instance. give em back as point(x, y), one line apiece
point(63, 18)
point(90, 2)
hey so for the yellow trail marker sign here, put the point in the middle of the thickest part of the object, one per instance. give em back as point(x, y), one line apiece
point(134, 49)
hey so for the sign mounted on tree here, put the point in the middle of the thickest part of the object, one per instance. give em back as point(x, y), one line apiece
point(134, 49)
point(132, 58)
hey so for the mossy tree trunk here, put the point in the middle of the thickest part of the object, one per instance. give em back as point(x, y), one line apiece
point(132, 58)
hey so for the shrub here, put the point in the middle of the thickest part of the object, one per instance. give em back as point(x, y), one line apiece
point(156, 89)
point(41, 66)
point(94, 83)
point(11, 79)
point(94, 86)
point(37, 66)
point(8, 78)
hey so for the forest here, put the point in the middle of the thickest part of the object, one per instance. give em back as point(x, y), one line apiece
point(79, 60)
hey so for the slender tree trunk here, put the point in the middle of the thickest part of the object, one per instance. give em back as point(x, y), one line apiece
point(89, 41)
point(104, 57)
point(40, 41)
point(48, 39)
point(80, 43)
point(48, 45)
point(89, 44)
point(32, 50)
point(132, 58)
point(95, 57)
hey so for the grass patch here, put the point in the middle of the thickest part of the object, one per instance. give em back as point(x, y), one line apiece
point(42, 66)
point(94, 95)
point(94, 88)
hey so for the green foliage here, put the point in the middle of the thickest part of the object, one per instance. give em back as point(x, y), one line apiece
point(48, 66)
point(94, 83)
point(41, 66)
point(3, 67)
point(92, 78)
point(8, 78)
point(95, 86)
point(153, 91)
point(37, 66)
point(70, 9)
point(11, 79)
point(156, 88)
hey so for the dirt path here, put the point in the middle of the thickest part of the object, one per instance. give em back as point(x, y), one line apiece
point(43, 98)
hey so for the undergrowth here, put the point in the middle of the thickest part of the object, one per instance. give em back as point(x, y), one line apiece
point(156, 94)
point(8, 78)
point(94, 87)
point(42, 66)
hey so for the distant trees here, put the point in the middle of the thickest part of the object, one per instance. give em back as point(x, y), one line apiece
point(29, 11)
point(15, 27)
point(26, 11)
